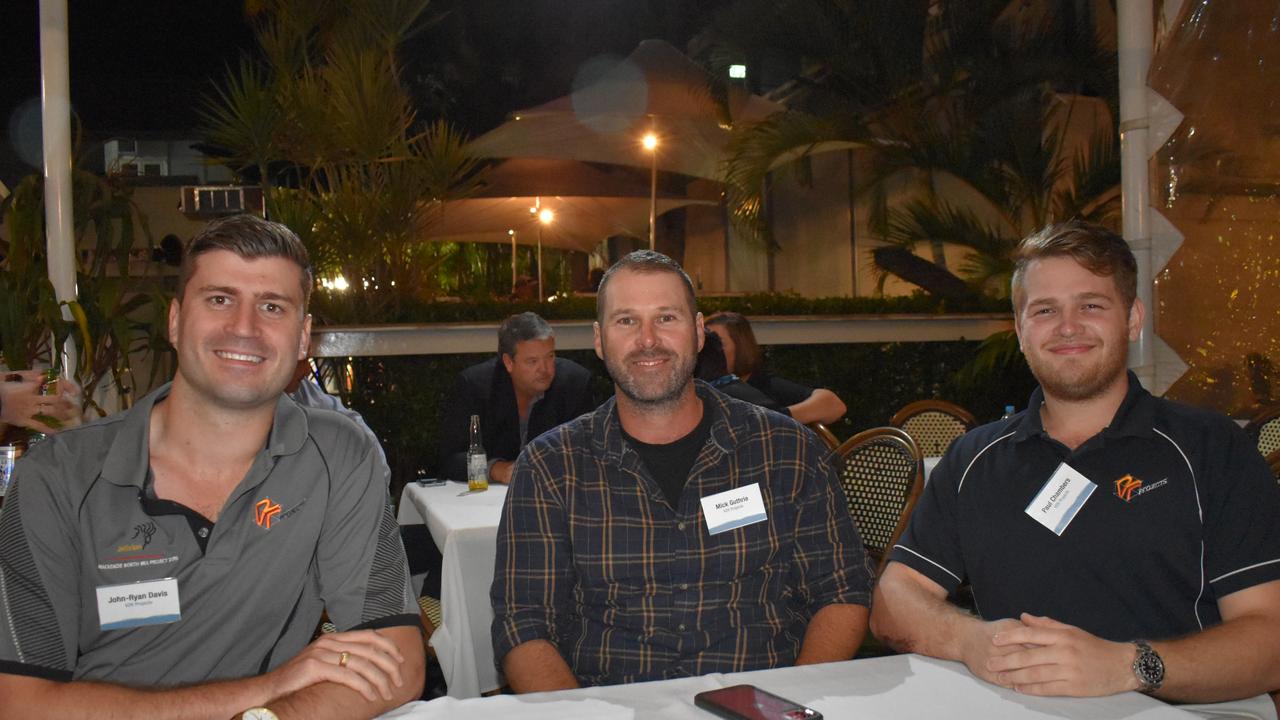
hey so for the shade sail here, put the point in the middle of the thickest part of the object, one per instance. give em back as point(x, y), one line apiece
point(656, 88)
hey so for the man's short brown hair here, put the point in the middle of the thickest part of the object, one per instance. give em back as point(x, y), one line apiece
point(249, 237)
point(1096, 248)
point(645, 261)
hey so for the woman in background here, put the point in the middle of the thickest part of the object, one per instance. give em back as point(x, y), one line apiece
point(745, 360)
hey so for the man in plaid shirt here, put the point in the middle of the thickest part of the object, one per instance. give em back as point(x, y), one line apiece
point(674, 531)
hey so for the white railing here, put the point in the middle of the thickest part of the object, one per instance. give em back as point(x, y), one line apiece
point(450, 338)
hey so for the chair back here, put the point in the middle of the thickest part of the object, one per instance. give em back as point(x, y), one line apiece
point(934, 424)
point(1274, 461)
point(881, 475)
point(1264, 428)
point(824, 434)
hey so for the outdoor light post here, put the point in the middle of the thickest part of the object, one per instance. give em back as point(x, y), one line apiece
point(545, 216)
point(512, 233)
point(650, 143)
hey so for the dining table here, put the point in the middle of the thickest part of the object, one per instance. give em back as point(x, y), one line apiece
point(899, 687)
point(464, 526)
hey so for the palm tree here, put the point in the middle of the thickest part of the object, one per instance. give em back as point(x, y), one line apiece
point(969, 111)
point(325, 123)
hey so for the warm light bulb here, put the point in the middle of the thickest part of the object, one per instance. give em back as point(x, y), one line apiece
point(650, 141)
point(546, 216)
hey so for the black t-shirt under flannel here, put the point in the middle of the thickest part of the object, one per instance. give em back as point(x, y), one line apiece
point(1185, 512)
point(669, 463)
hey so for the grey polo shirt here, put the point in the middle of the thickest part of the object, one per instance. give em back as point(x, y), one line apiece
point(309, 528)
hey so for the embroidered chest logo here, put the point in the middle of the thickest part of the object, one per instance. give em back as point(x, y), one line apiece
point(264, 512)
point(1130, 487)
point(1127, 486)
point(144, 531)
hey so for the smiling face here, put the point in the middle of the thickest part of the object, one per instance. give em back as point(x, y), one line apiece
point(649, 338)
point(1074, 328)
point(533, 367)
point(239, 329)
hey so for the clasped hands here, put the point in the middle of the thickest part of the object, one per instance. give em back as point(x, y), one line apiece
point(1041, 656)
point(362, 660)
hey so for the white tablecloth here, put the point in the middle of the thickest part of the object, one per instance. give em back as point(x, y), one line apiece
point(465, 527)
point(891, 688)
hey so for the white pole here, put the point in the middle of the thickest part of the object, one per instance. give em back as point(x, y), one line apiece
point(55, 111)
point(512, 233)
point(1135, 40)
point(540, 296)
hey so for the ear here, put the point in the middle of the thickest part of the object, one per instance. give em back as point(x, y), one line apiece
point(304, 342)
point(174, 311)
point(595, 332)
point(508, 362)
point(702, 330)
point(1136, 313)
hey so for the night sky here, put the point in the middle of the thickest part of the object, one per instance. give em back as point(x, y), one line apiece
point(142, 66)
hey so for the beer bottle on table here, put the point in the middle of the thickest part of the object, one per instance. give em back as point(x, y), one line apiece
point(477, 462)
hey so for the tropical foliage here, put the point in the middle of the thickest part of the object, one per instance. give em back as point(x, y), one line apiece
point(970, 113)
point(321, 118)
point(119, 315)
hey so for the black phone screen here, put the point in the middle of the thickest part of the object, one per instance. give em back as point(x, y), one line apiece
point(748, 702)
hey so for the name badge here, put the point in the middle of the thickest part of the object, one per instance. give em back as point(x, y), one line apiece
point(151, 602)
point(1057, 503)
point(734, 508)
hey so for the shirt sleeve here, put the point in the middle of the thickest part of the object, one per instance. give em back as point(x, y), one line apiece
point(931, 543)
point(1241, 515)
point(39, 576)
point(533, 575)
point(830, 563)
point(788, 393)
point(364, 576)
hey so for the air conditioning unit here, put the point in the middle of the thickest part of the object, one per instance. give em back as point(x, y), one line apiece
point(207, 201)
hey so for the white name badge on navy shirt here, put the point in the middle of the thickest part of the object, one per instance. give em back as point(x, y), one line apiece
point(734, 508)
point(151, 602)
point(1057, 503)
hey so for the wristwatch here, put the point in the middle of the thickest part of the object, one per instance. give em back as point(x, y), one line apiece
point(258, 713)
point(1148, 667)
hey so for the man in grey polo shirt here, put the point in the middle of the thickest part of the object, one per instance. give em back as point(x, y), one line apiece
point(174, 560)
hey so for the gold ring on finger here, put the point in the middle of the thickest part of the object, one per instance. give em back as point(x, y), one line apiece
point(342, 658)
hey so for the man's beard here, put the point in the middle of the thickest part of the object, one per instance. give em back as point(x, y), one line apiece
point(1084, 382)
point(658, 392)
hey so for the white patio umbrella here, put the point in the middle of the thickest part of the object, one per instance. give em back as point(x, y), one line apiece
point(655, 89)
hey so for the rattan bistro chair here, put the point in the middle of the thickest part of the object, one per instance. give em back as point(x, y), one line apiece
point(825, 435)
point(882, 477)
point(1264, 428)
point(1274, 461)
point(934, 424)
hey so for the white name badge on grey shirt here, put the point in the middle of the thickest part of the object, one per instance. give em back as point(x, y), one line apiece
point(1057, 503)
point(151, 602)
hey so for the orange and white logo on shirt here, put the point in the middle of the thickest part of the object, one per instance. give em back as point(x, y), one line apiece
point(264, 512)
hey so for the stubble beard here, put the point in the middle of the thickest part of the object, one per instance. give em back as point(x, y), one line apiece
point(1083, 383)
point(652, 399)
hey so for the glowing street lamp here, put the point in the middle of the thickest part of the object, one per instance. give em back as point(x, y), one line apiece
point(650, 143)
point(545, 217)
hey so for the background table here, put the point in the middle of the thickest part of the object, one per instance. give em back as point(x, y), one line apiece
point(904, 686)
point(464, 526)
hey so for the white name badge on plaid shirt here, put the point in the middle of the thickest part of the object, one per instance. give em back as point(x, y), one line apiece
point(734, 508)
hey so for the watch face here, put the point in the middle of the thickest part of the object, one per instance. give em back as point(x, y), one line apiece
point(1149, 667)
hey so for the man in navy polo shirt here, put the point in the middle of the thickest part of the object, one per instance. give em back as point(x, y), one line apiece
point(1114, 541)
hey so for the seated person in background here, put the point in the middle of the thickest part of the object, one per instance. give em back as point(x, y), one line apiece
point(674, 531)
point(1114, 541)
point(23, 408)
point(174, 560)
point(806, 405)
point(523, 392)
point(713, 369)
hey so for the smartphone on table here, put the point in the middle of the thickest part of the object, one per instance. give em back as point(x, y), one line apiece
point(748, 702)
